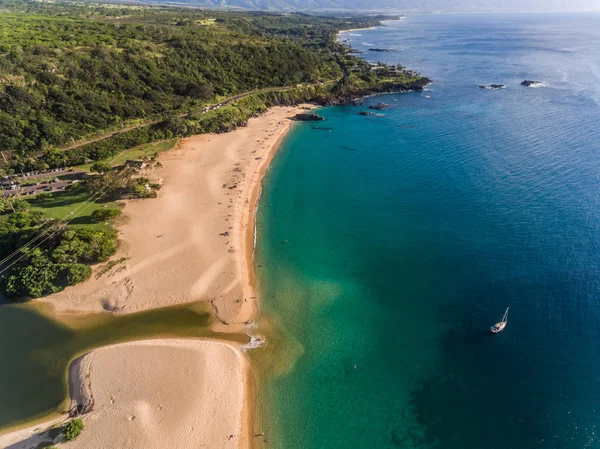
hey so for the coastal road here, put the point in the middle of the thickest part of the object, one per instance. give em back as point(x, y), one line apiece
point(214, 106)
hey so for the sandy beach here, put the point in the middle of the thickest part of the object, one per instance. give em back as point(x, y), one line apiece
point(193, 243)
point(164, 393)
point(155, 394)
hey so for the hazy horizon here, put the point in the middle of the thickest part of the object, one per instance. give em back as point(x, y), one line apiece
point(399, 6)
point(496, 5)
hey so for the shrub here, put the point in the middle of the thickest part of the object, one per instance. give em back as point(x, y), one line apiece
point(72, 429)
point(105, 214)
point(100, 167)
point(77, 273)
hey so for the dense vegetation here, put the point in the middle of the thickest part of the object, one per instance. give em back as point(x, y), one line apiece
point(69, 71)
point(59, 257)
point(131, 75)
point(41, 255)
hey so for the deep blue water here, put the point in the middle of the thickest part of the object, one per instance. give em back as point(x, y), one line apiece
point(387, 246)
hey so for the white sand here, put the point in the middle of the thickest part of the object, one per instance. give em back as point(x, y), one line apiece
point(162, 394)
point(155, 394)
point(172, 244)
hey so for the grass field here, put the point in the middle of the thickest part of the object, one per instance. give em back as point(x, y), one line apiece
point(75, 207)
point(137, 153)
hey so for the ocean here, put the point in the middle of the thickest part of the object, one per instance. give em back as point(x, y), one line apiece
point(387, 247)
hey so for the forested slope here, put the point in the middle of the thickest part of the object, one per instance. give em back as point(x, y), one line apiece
point(70, 71)
point(81, 83)
point(66, 72)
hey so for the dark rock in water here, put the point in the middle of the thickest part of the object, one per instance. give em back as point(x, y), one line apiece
point(381, 49)
point(365, 113)
point(530, 83)
point(322, 128)
point(379, 106)
point(493, 87)
point(308, 117)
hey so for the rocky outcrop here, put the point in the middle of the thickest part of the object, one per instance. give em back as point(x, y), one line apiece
point(366, 113)
point(493, 86)
point(530, 83)
point(382, 49)
point(379, 106)
point(350, 96)
point(308, 117)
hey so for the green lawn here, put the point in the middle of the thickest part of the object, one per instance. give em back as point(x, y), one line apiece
point(73, 206)
point(137, 153)
point(76, 206)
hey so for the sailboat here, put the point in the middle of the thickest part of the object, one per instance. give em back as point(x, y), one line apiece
point(499, 327)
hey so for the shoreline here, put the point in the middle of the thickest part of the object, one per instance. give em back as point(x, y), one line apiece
point(245, 205)
point(130, 384)
point(249, 218)
point(230, 168)
point(381, 23)
point(248, 245)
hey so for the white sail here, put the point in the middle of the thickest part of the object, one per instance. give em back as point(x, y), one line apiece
point(499, 327)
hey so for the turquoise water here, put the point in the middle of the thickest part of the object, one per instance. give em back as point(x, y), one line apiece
point(387, 246)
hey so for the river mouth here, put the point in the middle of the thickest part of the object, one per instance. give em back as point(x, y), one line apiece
point(36, 348)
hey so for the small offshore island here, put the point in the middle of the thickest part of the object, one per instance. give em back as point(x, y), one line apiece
point(120, 204)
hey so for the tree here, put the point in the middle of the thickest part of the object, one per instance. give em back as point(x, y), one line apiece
point(61, 259)
point(177, 126)
point(105, 214)
point(77, 273)
point(13, 205)
point(33, 276)
point(100, 167)
point(54, 157)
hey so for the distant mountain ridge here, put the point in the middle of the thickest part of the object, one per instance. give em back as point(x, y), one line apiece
point(391, 5)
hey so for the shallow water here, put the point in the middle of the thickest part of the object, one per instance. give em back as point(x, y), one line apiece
point(387, 246)
point(36, 350)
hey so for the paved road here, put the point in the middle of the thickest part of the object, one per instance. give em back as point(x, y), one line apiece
point(44, 186)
